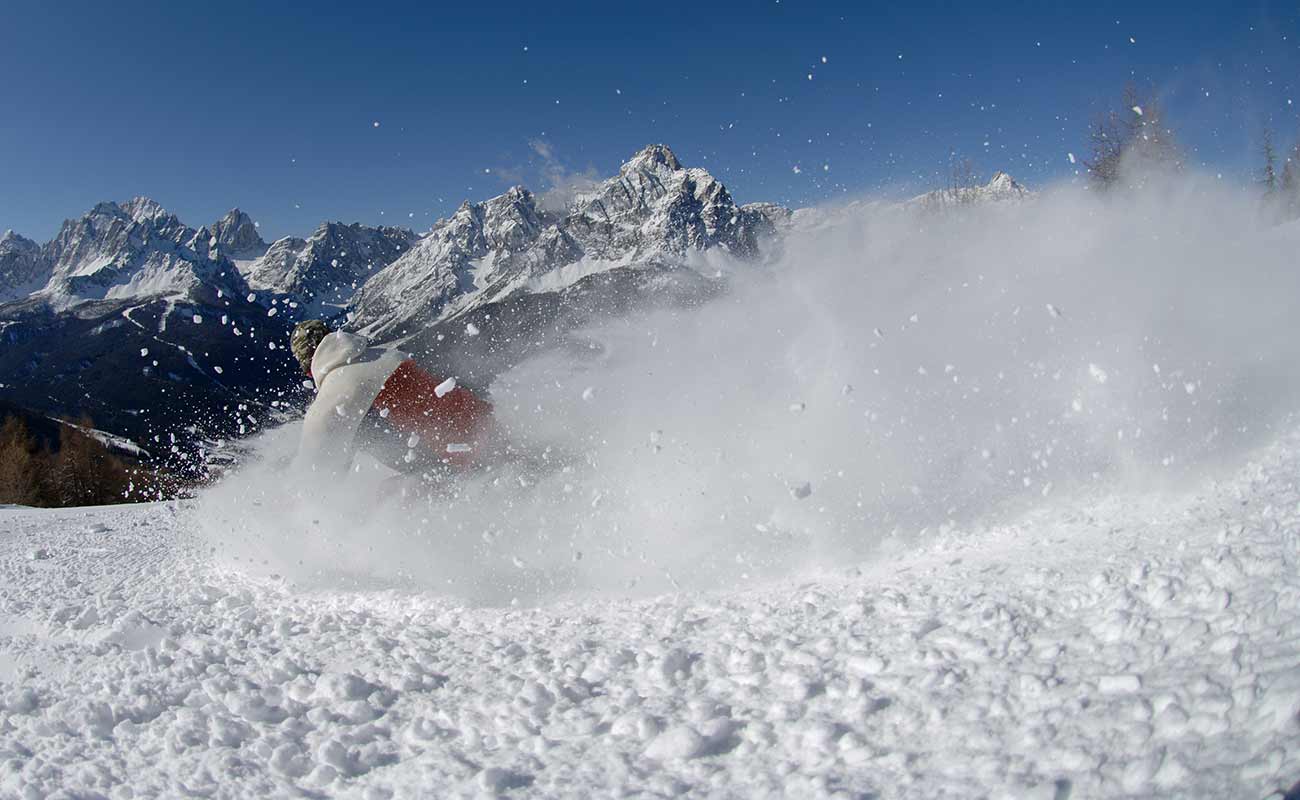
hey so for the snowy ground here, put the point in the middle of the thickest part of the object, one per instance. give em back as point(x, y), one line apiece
point(1130, 647)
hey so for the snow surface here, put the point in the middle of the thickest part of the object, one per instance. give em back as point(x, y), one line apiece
point(1125, 646)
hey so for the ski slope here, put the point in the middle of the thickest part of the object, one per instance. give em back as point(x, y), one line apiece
point(1127, 646)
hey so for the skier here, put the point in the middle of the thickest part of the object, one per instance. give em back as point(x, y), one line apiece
point(378, 400)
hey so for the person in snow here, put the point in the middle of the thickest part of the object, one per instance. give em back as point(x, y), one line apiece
point(378, 400)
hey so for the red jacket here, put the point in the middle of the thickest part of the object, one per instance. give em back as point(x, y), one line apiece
point(409, 403)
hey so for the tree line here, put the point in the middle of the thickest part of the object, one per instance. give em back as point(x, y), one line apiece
point(1281, 187)
point(75, 470)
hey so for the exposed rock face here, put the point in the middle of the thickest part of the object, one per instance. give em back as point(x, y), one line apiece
point(23, 268)
point(235, 236)
point(320, 274)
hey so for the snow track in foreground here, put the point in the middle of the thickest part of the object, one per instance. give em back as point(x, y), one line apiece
point(1134, 647)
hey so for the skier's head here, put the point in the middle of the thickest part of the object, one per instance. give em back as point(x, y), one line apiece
point(306, 336)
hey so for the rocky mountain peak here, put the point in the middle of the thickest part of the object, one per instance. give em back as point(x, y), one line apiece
point(12, 242)
point(1003, 184)
point(236, 235)
point(143, 209)
point(653, 158)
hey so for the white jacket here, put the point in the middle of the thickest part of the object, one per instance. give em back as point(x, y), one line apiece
point(349, 374)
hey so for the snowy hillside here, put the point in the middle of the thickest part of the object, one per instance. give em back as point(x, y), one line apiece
point(1121, 646)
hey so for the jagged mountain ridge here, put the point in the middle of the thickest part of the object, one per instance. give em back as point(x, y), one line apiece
point(137, 250)
point(654, 212)
point(133, 250)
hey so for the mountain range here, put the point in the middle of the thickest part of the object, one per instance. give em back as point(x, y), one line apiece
point(176, 336)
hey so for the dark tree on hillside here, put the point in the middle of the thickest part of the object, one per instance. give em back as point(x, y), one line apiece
point(85, 472)
point(1268, 174)
point(1127, 143)
point(21, 464)
point(962, 179)
point(1288, 186)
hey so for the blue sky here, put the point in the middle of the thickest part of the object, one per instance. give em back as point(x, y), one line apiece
point(204, 107)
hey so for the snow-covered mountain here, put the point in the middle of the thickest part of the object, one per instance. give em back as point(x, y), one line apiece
point(322, 272)
point(134, 250)
point(23, 268)
point(655, 212)
point(1001, 188)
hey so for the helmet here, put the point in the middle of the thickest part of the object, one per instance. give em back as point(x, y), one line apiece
point(306, 337)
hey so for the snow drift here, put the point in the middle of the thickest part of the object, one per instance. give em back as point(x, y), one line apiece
point(894, 374)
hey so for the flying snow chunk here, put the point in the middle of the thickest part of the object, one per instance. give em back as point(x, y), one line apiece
point(798, 408)
point(252, 298)
point(471, 329)
point(375, 123)
point(1054, 311)
point(414, 441)
point(801, 491)
point(458, 448)
point(198, 319)
point(1137, 110)
point(144, 351)
point(272, 312)
point(443, 388)
point(878, 332)
point(1098, 374)
point(588, 393)
point(1070, 156)
point(218, 370)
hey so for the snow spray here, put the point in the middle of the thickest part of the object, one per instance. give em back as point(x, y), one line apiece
point(890, 374)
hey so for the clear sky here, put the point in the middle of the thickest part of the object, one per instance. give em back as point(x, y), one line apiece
point(273, 107)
